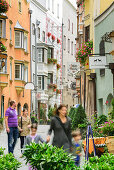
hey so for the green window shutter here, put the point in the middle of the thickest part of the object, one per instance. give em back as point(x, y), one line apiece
point(4, 29)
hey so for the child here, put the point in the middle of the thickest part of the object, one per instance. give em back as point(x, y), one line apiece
point(33, 137)
point(77, 148)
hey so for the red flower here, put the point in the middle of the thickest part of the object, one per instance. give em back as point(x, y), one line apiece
point(53, 37)
point(106, 102)
point(49, 34)
point(58, 40)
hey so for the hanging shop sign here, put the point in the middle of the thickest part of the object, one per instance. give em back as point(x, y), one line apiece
point(97, 62)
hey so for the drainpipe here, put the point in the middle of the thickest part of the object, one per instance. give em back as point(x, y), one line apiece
point(30, 12)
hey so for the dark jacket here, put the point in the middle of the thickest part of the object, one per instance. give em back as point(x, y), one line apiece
point(60, 138)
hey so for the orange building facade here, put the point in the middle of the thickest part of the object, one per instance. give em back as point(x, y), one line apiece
point(15, 61)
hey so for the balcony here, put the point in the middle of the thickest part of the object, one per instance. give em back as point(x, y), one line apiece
point(51, 67)
point(42, 69)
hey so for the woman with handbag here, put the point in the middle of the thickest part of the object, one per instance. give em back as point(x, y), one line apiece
point(24, 125)
point(61, 126)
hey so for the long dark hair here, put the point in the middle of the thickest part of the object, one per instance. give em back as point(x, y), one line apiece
point(59, 108)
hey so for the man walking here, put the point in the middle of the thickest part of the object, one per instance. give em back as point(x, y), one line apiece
point(11, 122)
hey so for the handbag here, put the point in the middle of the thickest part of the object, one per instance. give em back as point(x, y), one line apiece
point(21, 128)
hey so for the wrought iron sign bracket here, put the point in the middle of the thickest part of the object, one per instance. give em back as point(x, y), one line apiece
point(106, 37)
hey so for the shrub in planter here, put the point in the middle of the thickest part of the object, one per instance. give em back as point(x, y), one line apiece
point(34, 119)
point(41, 121)
point(8, 161)
point(51, 112)
point(102, 119)
point(3, 6)
point(105, 162)
point(108, 128)
point(2, 47)
point(52, 61)
point(78, 116)
point(45, 157)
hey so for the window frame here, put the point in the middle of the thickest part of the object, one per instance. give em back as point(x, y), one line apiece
point(53, 6)
point(50, 79)
point(26, 45)
point(10, 70)
point(41, 57)
point(58, 11)
point(20, 71)
point(68, 24)
point(43, 36)
point(41, 82)
point(38, 32)
point(68, 45)
point(20, 44)
point(33, 53)
point(20, 6)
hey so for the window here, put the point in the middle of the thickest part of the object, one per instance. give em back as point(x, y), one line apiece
point(57, 10)
point(3, 65)
point(50, 52)
point(19, 39)
point(33, 29)
point(50, 78)
point(17, 71)
point(64, 42)
point(87, 33)
point(53, 6)
point(38, 32)
point(34, 78)
point(68, 45)
point(72, 48)
point(25, 43)
point(102, 72)
point(40, 59)
point(43, 36)
point(72, 28)
point(3, 28)
point(11, 70)
point(68, 24)
point(20, 7)
point(10, 33)
point(40, 82)
point(49, 4)
point(33, 53)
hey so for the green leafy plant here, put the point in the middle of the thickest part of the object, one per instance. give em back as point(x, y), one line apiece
point(43, 156)
point(84, 52)
point(105, 162)
point(2, 47)
point(3, 6)
point(111, 114)
point(107, 128)
point(8, 161)
point(51, 112)
point(34, 119)
point(51, 85)
point(78, 116)
point(102, 119)
point(1, 120)
point(52, 61)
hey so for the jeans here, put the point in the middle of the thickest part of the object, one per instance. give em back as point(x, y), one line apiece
point(12, 138)
point(22, 139)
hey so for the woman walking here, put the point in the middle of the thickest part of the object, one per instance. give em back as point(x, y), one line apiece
point(61, 126)
point(24, 125)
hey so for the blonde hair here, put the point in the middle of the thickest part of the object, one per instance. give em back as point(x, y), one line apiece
point(76, 133)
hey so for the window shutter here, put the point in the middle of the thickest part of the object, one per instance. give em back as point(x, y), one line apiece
point(43, 55)
point(4, 28)
point(102, 48)
point(42, 82)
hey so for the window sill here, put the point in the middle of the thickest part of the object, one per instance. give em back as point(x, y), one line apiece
point(19, 80)
point(11, 81)
point(4, 39)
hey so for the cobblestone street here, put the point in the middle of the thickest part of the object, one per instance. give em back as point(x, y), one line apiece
point(42, 130)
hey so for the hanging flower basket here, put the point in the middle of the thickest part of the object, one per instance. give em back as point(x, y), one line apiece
point(52, 61)
point(3, 6)
point(53, 37)
point(53, 86)
point(58, 66)
point(106, 102)
point(84, 52)
point(49, 34)
point(58, 91)
point(58, 41)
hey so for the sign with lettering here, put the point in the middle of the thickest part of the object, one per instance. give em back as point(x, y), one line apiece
point(97, 62)
point(73, 68)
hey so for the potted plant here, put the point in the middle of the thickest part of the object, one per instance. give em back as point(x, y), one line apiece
point(58, 66)
point(45, 157)
point(108, 129)
point(53, 86)
point(84, 52)
point(3, 6)
point(58, 91)
point(2, 47)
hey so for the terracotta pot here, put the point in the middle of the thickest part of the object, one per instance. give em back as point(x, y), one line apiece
point(110, 144)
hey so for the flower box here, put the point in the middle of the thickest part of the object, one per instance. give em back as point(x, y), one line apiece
point(53, 86)
point(52, 61)
point(2, 47)
point(3, 6)
point(58, 91)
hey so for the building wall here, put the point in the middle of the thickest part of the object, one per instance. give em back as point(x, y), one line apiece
point(105, 83)
point(10, 92)
point(69, 15)
point(104, 5)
